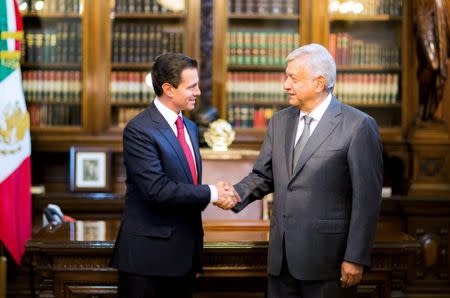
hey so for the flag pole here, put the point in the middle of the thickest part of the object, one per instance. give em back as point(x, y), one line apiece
point(2, 271)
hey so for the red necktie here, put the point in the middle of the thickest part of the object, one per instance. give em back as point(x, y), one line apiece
point(187, 151)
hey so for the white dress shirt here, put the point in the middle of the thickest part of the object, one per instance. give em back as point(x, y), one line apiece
point(316, 115)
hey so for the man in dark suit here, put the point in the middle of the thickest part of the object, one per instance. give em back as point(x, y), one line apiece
point(323, 161)
point(160, 240)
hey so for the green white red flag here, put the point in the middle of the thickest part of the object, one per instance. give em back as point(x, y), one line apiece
point(15, 147)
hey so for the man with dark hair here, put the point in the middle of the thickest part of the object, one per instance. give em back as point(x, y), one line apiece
point(160, 240)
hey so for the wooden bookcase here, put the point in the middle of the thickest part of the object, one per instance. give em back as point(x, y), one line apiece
point(384, 32)
point(52, 65)
point(250, 42)
point(112, 52)
point(104, 29)
point(116, 46)
point(383, 26)
point(138, 36)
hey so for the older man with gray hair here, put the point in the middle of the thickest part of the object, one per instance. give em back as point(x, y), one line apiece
point(323, 161)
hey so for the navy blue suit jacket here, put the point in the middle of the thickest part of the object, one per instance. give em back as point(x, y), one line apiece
point(161, 232)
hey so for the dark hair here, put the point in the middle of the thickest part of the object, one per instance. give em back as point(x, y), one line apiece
point(168, 68)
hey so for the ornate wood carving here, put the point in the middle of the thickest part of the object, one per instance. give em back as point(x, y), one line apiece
point(430, 146)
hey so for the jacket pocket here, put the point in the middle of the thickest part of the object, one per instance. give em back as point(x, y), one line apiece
point(332, 226)
point(328, 152)
point(157, 232)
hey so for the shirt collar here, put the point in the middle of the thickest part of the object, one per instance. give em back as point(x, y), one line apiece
point(168, 114)
point(318, 112)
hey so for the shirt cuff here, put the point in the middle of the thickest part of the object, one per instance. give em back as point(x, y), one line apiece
point(214, 194)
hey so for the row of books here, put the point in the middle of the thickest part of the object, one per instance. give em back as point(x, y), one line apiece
point(50, 6)
point(52, 86)
point(61, 44)
point(262, 87)
point(260, 48)
point(44, 114)
point(121, 115)
point(263, 6)
point(357, 88)
point(367, 7)
point(130, 87)
point(347, 50)
point(247, 116)
point(140, 6)
point(141, 43)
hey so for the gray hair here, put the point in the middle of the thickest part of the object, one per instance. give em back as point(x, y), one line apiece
point(320, 62)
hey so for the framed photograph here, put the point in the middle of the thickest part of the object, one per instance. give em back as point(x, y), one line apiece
point(90, 169)
point(90, 230)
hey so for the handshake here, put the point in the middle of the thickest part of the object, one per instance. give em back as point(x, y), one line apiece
point(227, 195)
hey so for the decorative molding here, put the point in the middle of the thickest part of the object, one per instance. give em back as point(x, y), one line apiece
point(81, 263)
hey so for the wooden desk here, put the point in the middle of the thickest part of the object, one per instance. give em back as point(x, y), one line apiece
point(67, 264)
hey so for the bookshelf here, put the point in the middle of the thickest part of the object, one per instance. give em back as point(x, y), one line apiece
point(254, 39)
point(140, 31)
point(366, 42)
point(84, 63)
point(101, 86)
point(52, 63)
point(372, 48)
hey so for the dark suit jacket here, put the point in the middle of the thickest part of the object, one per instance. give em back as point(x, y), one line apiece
point(327, 211)
point(161, 232)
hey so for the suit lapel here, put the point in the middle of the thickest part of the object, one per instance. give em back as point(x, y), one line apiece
point(167, 132)
point(291, 130)
point(324, 128)
point(194, 140)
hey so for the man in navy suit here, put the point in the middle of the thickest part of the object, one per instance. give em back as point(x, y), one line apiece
point(160, 240)
point(322, 159)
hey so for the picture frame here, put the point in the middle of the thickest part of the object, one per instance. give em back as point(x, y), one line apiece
point(90, 230)
point(90, 169)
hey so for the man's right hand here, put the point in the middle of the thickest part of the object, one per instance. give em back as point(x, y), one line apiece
point(227, 196)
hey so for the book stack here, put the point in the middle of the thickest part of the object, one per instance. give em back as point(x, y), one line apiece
point(60, 44)
point(121, 116)
point(348, 50)
point(142, 42)
point(260, 47)
point(53, 97)
point(368, 88)
point(139, 6)
point(256, 87)
point(375, 8)
point(129, 87)
point(53, 6)
point(263, 6)
point(251, 116)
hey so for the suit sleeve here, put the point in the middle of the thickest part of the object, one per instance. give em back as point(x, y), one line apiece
point(145, 171)
point(365, 163)
point(260, 181)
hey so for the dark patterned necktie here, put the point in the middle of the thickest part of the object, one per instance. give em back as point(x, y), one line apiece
point(301, 141)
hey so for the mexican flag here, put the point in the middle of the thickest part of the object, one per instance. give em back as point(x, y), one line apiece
point(15, 148)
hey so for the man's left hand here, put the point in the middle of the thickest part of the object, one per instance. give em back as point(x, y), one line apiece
point(351, 274)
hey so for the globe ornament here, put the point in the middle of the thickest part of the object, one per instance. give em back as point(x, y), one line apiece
point(219, 135)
